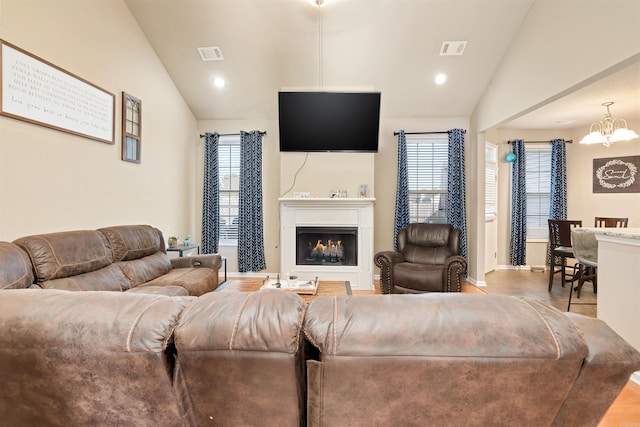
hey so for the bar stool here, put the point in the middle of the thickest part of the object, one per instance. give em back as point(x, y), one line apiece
point(585, 250)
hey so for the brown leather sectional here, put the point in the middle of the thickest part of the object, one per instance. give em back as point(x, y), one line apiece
point(104, 358)
point(129, 258)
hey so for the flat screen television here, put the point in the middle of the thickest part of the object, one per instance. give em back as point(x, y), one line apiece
point(329, 121)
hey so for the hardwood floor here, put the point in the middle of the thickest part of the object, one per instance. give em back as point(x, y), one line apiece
point(535, 285)
point(625, 411)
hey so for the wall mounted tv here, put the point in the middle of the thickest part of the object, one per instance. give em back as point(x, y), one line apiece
point(329, 121)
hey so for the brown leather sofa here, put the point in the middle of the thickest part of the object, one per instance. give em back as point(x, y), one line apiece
point(427, 259)
point(129, 258)
point(226, 359)
point(460, 359)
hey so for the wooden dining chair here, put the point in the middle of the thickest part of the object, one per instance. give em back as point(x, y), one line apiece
point(611, 222)
point(560, 249)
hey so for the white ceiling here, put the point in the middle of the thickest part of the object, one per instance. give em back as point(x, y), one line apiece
point(584, 106)
point(390, 46)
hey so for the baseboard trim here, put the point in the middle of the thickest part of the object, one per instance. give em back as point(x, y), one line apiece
point(635, 377)
point(534, 268)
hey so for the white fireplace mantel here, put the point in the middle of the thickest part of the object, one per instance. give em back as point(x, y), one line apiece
point(310, 212)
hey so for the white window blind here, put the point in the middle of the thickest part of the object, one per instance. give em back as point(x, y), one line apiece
point(538, 159)
point(427, 158)
point(491, 181)
point(229, 175)
point(490, 196)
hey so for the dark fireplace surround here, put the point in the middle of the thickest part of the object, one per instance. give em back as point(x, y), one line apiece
point(330, 246)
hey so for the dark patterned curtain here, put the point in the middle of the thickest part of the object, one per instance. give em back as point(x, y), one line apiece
point(211, 195)
point(401, 219)
point(250, 226)
point(558, 192)
point(518, 205)
point(456, 189)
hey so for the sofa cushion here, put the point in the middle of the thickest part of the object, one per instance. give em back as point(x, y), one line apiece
point(89, 359)
point(414, 278)
point(15, 268)
point(129, 242)
point(109, 278)
point(145, 269)
point(251, 345)
point(197, 281)
point(452, 325)
point(69, 253)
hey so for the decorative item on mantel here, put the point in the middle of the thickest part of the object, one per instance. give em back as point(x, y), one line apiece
point(362, 190)
point(338, 194)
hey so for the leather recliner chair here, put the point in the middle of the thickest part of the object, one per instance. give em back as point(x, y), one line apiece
point(427, 260)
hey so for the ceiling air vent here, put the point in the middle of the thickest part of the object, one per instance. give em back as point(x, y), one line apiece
point(452, 48)
point(210, 53)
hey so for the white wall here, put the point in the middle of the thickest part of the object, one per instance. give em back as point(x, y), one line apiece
point(54, 181)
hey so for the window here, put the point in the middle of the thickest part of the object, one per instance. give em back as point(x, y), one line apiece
point(229, 175)
point(131, 128)
point(491, 181)
point(427, 160)
point(538, 172)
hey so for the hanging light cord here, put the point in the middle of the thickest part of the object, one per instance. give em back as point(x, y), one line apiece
point(320, 46)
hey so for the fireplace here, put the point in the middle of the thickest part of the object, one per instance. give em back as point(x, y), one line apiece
point(328, 246)
point(340, 230)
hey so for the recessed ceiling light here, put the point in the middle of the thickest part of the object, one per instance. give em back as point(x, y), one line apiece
point(441, 78)
point(218, 81)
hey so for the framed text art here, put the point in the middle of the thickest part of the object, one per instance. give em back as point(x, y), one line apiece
point(616, 175)
point(36, 91)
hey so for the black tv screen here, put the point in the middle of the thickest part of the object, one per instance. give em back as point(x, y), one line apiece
point(329, 121)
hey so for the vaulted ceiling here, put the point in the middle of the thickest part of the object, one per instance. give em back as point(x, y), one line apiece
point(392, 46)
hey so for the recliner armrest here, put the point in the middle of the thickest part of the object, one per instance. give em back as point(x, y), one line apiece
point(386, 260)
point(213, 261)
point(455, 269)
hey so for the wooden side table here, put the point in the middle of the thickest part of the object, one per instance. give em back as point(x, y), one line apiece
point(182, 248)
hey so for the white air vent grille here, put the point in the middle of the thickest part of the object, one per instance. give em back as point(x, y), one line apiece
point(210, 53)
point(452, 48)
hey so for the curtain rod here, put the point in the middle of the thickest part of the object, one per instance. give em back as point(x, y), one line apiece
point(262, 132)
point(422, 133)
point(569, 141)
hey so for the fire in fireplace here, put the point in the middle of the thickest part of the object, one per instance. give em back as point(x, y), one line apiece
point(327, 246)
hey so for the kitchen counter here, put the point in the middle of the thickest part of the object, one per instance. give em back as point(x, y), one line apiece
point(619, 280)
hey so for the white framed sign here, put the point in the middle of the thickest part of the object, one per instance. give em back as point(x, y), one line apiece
point(36, 91)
